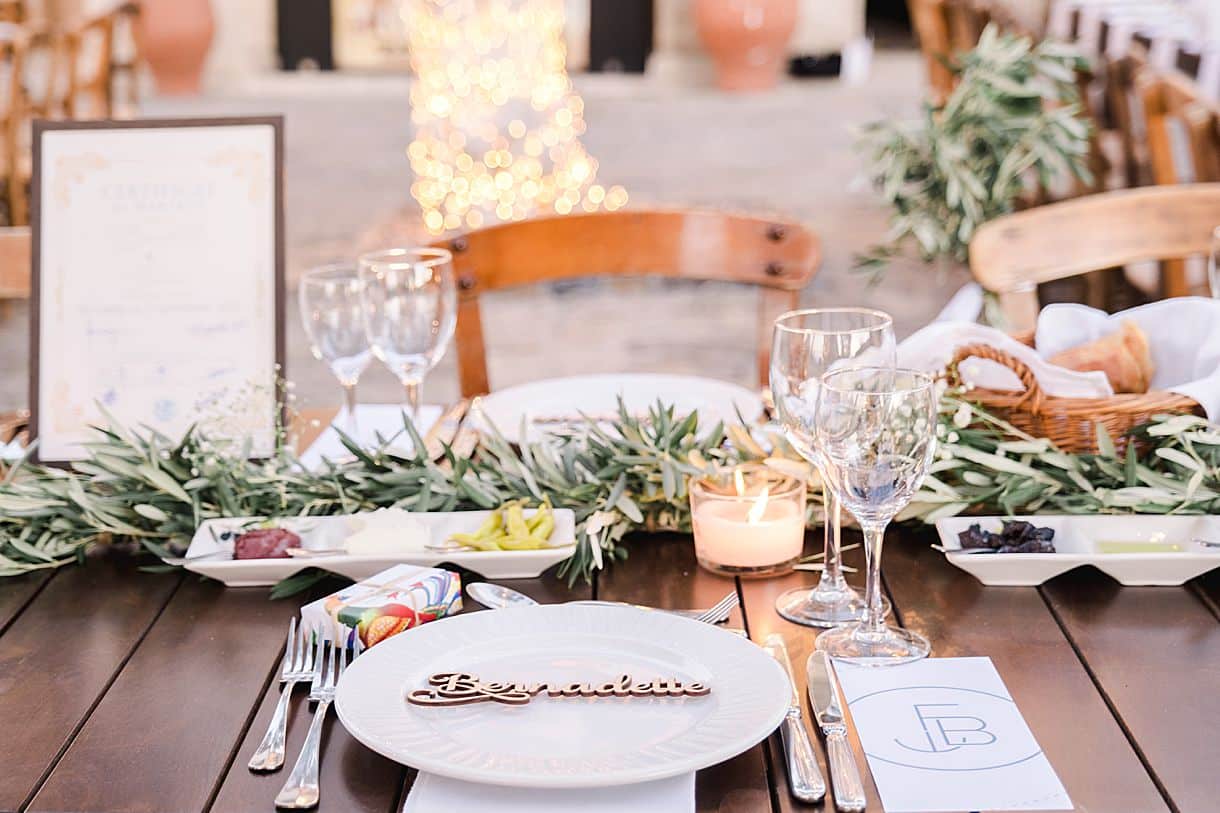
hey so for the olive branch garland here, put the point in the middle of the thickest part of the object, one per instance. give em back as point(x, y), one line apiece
point(146, 488)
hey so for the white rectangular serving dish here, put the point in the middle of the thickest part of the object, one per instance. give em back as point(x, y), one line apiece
point(329, 532)
point(1077, 541)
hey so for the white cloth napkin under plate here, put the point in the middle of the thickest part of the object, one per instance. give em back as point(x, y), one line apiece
point(371, 420)
point(437, 794)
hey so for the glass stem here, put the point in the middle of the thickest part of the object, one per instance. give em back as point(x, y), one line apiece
point(832, 571)
point(874, 619)
point(349, 401)
point(412, 388)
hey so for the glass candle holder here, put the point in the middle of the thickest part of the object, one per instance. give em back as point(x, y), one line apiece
point(748, 521)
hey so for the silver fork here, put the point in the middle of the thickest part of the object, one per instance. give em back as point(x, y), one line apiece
point(301, 788)
point(297, 667)
point(719, 612)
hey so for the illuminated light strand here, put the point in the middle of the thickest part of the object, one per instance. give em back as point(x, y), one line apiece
point(497, 121)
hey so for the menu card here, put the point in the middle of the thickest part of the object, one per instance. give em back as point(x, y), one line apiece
point(944, 734)
point(157, 281)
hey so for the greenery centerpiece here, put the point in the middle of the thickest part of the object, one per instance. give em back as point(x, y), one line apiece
point(621, 478)
point(1014, 121)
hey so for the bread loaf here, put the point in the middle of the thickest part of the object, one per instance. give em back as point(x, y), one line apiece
point(1124, 357)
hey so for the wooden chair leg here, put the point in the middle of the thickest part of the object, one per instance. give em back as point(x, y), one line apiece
point(1173, 279)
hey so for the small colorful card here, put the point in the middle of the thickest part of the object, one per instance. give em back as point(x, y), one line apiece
point(385, 604)
point(944, 734)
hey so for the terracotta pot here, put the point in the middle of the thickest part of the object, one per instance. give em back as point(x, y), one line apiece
point(747, 40)
point(174, 37)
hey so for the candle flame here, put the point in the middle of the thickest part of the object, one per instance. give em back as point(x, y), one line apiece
point(759, 508)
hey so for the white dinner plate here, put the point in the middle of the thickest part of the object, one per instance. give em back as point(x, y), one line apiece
point(564, 742)
point(597, 395)
point(321, 533)
point(1080, 540)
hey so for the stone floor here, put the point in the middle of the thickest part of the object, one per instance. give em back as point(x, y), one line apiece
point(788, 152)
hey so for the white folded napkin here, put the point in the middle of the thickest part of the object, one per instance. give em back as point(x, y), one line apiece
point(932, 348)
point(437, 794)
point(963, 306)
point(372, 420)
point(1183, 335)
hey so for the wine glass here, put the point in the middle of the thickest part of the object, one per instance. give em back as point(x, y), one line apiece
point(1213, 265)
point(333, 315)
point(807, 343)
point(410, 312)
point(876, 433)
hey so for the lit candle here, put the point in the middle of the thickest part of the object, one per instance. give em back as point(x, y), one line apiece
point(755, 528)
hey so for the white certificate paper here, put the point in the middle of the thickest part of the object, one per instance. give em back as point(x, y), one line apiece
point(158, 268)
point(943, 734)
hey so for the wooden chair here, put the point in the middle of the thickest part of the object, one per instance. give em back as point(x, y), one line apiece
point(15, 262)
point(124, 63)
point(1010, 255)
point(933, 29)
point(1183, 145)
point(779, 257)
point(43, 82)
point(1183, 140)
point(12, 11)
point(90, 59)
point(11, 55)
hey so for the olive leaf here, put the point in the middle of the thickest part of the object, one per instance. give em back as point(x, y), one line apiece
point(1015, 117)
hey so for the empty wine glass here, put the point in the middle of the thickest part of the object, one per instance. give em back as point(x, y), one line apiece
point(876, 433)
point(1213, 265)
point(333, 315)
point(807, 343)
point(410, 312)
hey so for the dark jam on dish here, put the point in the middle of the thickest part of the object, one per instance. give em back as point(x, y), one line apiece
point(1014, 537)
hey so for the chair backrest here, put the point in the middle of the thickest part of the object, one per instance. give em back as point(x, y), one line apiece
point(1012, 254)
point(780, 257)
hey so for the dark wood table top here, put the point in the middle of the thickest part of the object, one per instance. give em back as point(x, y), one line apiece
point(128, 691)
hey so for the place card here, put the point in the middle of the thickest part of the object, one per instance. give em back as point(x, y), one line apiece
point(157, 287)
point(944, 734)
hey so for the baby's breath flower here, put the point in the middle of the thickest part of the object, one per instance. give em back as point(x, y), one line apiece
point(961, 418)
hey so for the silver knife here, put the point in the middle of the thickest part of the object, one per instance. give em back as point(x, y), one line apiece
point(824, 697)
point(804, 778)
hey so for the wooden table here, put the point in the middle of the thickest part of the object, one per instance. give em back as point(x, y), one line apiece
point(128, 691)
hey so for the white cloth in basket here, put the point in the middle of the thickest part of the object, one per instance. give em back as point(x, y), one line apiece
point(1183, 333)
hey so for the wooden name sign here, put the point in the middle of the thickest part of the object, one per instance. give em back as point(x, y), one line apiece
point(460, 688)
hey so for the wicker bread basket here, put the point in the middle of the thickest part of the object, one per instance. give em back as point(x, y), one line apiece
point(1070, 423)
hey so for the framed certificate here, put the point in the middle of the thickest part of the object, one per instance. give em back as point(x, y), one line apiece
point(157, 281)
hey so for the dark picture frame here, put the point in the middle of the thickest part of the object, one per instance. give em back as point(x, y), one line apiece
point(37, 197)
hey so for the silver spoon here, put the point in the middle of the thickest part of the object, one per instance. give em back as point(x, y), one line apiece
point(495, 597)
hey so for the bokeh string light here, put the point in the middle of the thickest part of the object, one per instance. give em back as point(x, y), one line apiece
point(497, 122)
